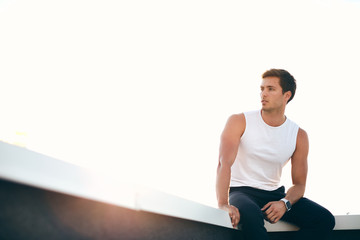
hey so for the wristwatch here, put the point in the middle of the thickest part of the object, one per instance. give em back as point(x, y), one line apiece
point(287, 204)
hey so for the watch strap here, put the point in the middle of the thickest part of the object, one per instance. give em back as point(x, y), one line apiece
point(287, 203)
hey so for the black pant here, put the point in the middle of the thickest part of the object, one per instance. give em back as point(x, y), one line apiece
point(314, 221)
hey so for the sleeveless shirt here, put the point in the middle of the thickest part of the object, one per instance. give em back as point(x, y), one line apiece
point(263, 152)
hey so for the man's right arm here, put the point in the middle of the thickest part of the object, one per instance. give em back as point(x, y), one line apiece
point(230, 139)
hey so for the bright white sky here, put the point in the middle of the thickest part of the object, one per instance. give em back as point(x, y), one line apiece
point(141, 90)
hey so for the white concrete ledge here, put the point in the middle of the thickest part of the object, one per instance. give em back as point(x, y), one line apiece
point(162, 203)
point(347, 222)
point(280, 226)
point(343, 222)
point(27, 167)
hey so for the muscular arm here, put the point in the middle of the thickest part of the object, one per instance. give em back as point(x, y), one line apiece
point(230, 140)
point(299, 167)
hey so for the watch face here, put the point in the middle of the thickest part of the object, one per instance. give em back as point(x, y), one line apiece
point(288, 205)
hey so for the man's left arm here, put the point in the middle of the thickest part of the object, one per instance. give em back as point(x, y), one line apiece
point(275, 210)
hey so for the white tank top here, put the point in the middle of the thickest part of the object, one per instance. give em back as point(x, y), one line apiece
point(263, 152)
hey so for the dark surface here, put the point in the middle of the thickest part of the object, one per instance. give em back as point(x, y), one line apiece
point(31, 213)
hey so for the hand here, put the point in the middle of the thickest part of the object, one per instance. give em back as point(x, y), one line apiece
point(274, 211)
point(233, 213)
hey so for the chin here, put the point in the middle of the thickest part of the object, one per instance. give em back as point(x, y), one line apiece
point(266, 109)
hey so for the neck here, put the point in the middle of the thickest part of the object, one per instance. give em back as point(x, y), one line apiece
point(273, 118)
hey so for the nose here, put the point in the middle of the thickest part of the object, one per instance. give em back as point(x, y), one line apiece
point(263, 94)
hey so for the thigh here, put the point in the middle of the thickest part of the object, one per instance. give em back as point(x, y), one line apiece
point(251, 216)
point(308, 214)
point(260, 197)
point(247, 206)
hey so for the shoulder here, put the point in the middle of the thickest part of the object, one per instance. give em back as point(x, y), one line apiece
point(302, 135)
point(302, 141)
point(236, 118)
point(240, 119)
point(235, 126)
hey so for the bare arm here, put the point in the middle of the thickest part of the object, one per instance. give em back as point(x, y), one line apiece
point(230, 140)
point(299, 167)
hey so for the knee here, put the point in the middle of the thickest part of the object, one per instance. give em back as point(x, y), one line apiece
point(331, 222)
point(328, 221)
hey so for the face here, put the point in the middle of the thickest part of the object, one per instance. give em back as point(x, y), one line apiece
point(272, 97)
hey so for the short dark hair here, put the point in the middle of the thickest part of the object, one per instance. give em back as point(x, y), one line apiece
point(287, 81)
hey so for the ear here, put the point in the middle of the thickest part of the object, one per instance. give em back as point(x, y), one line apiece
point(287, 95)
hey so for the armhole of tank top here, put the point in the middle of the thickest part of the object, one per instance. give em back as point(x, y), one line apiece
point(296, 135)
point(245, 127)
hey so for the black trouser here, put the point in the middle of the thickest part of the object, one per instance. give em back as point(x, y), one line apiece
point(314, 221)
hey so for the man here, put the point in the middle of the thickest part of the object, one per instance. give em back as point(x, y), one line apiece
point(254, 148)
